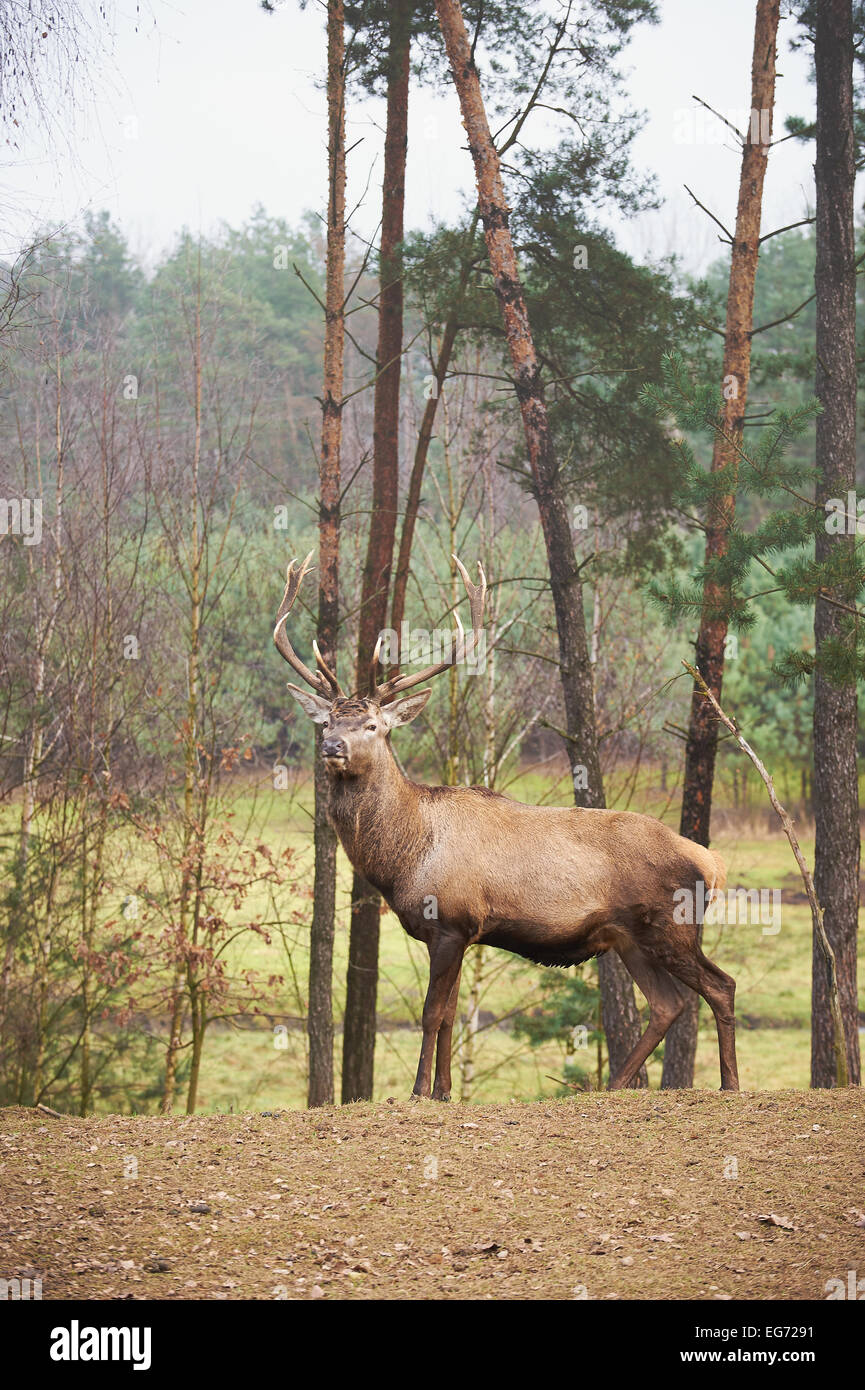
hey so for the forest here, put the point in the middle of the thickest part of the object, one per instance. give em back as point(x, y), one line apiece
point(659, 470)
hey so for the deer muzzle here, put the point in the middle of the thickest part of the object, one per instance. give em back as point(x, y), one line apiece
point(334, 750)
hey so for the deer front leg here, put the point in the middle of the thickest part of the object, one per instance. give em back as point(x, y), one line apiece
point(442, 1082)
point(446, 958)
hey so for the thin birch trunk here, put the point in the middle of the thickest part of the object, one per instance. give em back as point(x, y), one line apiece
point(190, 746)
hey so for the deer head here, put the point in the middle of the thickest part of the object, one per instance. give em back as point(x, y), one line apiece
point(356, 728)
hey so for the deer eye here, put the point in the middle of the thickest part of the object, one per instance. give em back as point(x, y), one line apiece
point(370, 728)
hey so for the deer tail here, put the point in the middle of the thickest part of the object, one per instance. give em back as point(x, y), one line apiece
point(711, 867)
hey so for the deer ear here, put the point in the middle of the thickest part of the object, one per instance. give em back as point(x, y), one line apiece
point(404, 711)
point(316, 707)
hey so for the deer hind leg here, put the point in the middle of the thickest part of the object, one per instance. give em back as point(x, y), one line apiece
point(446, 959)
point(719, 992)
point(666, 1001)
point(442, 1080)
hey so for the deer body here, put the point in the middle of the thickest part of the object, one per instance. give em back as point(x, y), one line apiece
point(556, 885)
point(464, 865)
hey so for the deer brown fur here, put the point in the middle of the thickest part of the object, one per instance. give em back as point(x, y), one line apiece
point(464, 866)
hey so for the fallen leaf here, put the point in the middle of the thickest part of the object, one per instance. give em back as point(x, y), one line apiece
point(782, 1222)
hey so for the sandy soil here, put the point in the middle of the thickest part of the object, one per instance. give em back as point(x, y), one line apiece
point(635, 1195)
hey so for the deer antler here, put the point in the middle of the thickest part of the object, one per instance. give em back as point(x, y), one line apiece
point(477, 594)
point(323, 680)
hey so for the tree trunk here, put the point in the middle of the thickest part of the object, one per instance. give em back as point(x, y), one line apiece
point(198, 1013)
point(681, 1044)
point(467, 1051)
point(319, 1021)
point(413, 496)
point(172, 1051)
point(836, 791)
point(425, 434)
point(362, 984)
point(195, 585)
point(621, 1020)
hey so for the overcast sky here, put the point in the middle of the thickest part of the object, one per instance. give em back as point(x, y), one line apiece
point(204, 108)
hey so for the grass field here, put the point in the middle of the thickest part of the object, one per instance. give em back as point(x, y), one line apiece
point(772, 969)
point(259, 1062)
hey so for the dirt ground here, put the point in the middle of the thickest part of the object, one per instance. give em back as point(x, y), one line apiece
point(642, 1195)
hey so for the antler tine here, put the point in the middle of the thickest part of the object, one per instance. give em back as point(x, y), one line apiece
point(374, 688)
point(477, 598)
point(293, 580)
point(325, 670)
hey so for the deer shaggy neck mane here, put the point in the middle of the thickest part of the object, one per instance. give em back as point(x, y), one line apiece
point(385, 821)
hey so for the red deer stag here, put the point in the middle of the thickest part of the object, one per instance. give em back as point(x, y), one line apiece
point(465, 865)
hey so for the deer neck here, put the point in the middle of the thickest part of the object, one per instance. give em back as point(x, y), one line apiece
point(375, 815)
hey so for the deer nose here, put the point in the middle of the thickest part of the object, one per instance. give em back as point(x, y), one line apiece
point(333, 748)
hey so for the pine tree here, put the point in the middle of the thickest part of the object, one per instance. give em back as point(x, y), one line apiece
point(320, 1007)
point(836, 781)
point(702, 740)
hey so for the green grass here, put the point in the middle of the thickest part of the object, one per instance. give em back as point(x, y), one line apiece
point(772, 970)
point(251, 1067)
